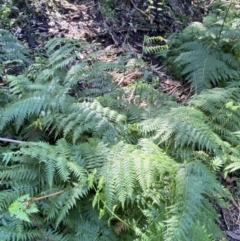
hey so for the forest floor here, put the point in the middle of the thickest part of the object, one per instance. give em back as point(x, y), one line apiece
point(118, 31)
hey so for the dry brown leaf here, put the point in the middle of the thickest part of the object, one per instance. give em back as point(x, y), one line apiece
point(120, 227)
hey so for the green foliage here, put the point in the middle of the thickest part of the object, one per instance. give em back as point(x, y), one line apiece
point(22, 207)
point(154, 48)
point(94, 165)
point(12, 53)
point(108, 8)
point(209, 123)
point(6, 8)
point(206, 54)
point(185, 213)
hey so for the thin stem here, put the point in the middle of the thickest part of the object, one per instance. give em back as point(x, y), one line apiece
point(46, 196)
point(224, 20)
point(10, 140)
point(39, 228)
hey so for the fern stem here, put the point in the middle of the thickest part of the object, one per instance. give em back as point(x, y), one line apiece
point(39, 228)
point(100, 233)
point(224, 20)
point(117, 217)
point(10, 140)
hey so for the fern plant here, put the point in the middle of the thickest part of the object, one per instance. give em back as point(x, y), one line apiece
point(154, 48)
point(206, 54)
point(119, 186)
point(92, 163)
point(12, 53)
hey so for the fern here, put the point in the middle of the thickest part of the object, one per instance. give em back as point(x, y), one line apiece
point(191, 201)
point(210, 124)
point(206, 54)
point(154, 48)
point(204, 69)
point(124, 177)
point(106, 162)
point(12, 52)
point(80, 67)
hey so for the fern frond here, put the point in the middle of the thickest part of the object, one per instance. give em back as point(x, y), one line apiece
point(152, 39)
point(194, 28)
point(11, 50)
point(221, 106)
point(156, 48)
point(44, 99)
point(204, 69)
point(71, 198)
point(82, 117)
point(177, 129)
point(127, 168)
point(25, 108)
point(207, 54)
point(194, 184)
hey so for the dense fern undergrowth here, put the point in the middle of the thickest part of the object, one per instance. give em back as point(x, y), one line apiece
point(83, 158)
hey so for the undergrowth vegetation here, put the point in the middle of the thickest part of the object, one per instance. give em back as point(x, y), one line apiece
point(205, 54)
point(83, 158)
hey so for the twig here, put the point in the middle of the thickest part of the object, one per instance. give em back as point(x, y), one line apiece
point(138, 9)
point(46, 196)
point(11, 140)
